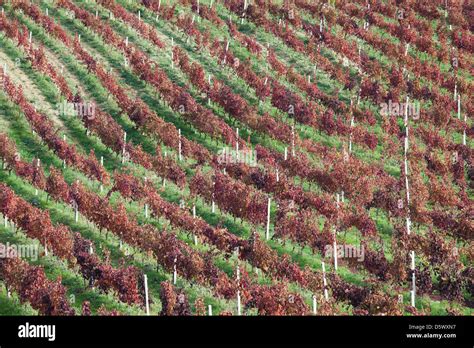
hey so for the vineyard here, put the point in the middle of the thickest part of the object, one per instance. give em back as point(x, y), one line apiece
point(236, 157)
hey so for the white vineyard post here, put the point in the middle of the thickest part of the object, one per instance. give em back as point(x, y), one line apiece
point(102, 164)
point(179, 145)
point(335, 234)
point(209, 310)
point(293, 140)
point(413, 279)
point(459, 106)
point(5, 221)
point(212, 2)
point(45, 248)
point(286, 153)
point(76, 214)
point(139, 15)
point(47, 12)
point(277, 175)
point(213, 206)
point(172, 54)
point(464, 132)
point(146, 295)
point(239, 311)
point(267, 233)
point(146, 210)
point(407, 187)
point(325, 283)
point(237, 142)
point(175, 273)
point(352, 126)
point(126, 41)
point(315, 305)
point(123, 150)
point(31, 37)
point(194, 216)
point(455, 91)
point(38, 161)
